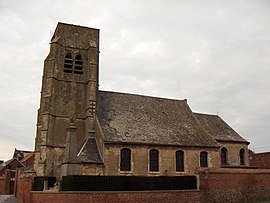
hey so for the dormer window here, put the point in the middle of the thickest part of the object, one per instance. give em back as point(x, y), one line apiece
point(68, 63)
point(78, 67)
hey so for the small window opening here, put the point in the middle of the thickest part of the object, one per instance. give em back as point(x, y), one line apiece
point(78, 68)
point(203, 159)
point(224, 156)
point(125, 160)
point(68, 63)
point(154, 165)
point(179, 160)
point(242, 156)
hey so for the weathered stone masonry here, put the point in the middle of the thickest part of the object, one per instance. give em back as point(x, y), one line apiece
point(82, 130)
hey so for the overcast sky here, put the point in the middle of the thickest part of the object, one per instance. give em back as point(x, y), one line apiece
point(216, 54)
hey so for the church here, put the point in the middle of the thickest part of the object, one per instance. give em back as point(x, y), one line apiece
point(82, 130)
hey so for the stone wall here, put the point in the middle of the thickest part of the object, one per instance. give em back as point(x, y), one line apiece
point(234, 152)
point(66, 94)
point(140, 163)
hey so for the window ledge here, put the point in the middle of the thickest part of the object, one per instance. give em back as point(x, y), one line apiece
point(153, 172)
point(125, 172)
point(180, 172)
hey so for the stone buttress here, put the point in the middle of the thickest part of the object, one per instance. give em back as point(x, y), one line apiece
point(69, 90)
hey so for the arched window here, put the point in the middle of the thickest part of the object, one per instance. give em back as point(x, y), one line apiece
point(125, 160)
point(224, 156)
point(153, 156)
point(242, 156)
point(78, 68)
point(179, 158)
point(203, 159)
point(68, 63)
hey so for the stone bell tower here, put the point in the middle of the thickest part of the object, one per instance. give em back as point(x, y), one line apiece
point(69, 90)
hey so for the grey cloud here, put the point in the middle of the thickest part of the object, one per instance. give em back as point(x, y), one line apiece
point(214, 53)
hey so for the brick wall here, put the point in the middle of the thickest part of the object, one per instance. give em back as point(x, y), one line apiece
point(235, 185)
point(82, 197)
point(5, 186)
point(24, 186)
point(216, 185)
point(261, 160)
point(7, 182)
point(2, 185)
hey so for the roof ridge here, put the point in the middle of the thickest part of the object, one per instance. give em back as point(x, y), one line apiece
point(141, 95)
point(206, 114)
point(73, 25)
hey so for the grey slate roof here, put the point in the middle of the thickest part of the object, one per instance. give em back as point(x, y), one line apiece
point(218, 128)
point(89, 152)
point(133, 119)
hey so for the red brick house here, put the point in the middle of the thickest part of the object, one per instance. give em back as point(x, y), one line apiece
point(9, 170)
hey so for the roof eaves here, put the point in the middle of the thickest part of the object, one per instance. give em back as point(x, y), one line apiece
point(233, 141)
point(158, 144)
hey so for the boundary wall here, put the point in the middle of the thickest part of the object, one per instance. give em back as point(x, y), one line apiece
point(235, 185)
point(215, 185)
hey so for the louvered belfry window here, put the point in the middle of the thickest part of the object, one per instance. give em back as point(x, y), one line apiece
point(68, 63)
point(179, 158)
point(125, 160)
point(78, 67)
point(154, 165)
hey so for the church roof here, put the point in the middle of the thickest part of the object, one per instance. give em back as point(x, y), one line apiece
point(134, 119)
point(90, 152)
point(218, 128)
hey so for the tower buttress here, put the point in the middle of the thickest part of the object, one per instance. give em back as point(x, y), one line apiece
point(69, 89)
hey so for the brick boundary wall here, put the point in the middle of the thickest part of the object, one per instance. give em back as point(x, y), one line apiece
point(235, 185)
point(23, 186)
point(5, 183)
point(261, 160)
point(215, 185)
point(109, 197)
point(2, 185)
